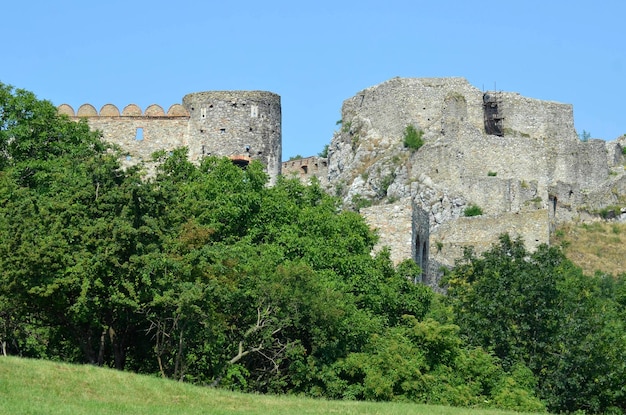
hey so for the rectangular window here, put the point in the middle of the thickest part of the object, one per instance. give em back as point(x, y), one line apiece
point(139, 134)
point(254, 111)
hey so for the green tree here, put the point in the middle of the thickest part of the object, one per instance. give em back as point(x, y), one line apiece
point(539, 310)
point(199, 273)
point(70, 220)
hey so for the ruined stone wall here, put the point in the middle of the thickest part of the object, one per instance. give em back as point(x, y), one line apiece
point(480, 232)
point(306, 168)
point(535, 118)
point(394, 225)
point(519, 159)
point(389, 107)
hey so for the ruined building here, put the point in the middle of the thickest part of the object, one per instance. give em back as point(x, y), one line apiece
point(517, 160)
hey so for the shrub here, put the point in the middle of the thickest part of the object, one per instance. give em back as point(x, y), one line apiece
point(473, 210)
point(385, 182)
point(492, 174)
point(359, 202)
point(584, 136)
point(610, 212)
point(413, 138)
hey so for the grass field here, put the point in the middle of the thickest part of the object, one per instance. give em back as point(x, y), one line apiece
point(42, 387)
point(598, 246)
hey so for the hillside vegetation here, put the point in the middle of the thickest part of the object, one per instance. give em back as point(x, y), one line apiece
point(204, 274)
point(41, 387)
point(598, 246)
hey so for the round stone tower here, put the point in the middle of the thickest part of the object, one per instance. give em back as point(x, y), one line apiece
point(242, 125)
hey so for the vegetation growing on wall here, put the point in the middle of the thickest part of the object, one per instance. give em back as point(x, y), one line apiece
point(473, 210)
point(413, 138)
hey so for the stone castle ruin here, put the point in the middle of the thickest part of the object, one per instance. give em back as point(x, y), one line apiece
point(519, 160)
point(242, 125)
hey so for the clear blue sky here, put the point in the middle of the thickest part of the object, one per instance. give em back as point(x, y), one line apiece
point(315, 54)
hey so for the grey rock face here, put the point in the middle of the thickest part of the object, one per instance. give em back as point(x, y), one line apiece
point(518, 159)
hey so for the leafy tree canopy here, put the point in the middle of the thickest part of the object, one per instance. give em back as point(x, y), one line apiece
point(539, 310)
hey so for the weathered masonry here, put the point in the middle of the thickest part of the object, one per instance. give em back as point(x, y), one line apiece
point(518, 159)
point(242, 125)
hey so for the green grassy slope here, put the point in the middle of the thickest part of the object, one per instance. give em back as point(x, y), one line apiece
point(41, 387)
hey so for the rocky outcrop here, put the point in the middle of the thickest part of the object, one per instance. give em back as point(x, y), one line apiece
point(517, 159)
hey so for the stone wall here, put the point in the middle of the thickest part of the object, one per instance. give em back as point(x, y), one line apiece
point(243, 125)
point(306, 168)
point(519, 159)
point(236, 123)
point(393, 224)
point(480, 232)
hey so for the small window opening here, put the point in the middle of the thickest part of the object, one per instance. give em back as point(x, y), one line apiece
point(305, 169)
point(222, 130)
point(139, 134)
point(128, 157)
point(203, 112)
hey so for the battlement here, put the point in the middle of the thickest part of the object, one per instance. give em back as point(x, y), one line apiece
point(242, 125)
point(131, 110)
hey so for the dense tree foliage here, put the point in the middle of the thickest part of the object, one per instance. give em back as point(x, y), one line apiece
point(203, 273)
point(538, 310)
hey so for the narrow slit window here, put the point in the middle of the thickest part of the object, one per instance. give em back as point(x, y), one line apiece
point(139, 134)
